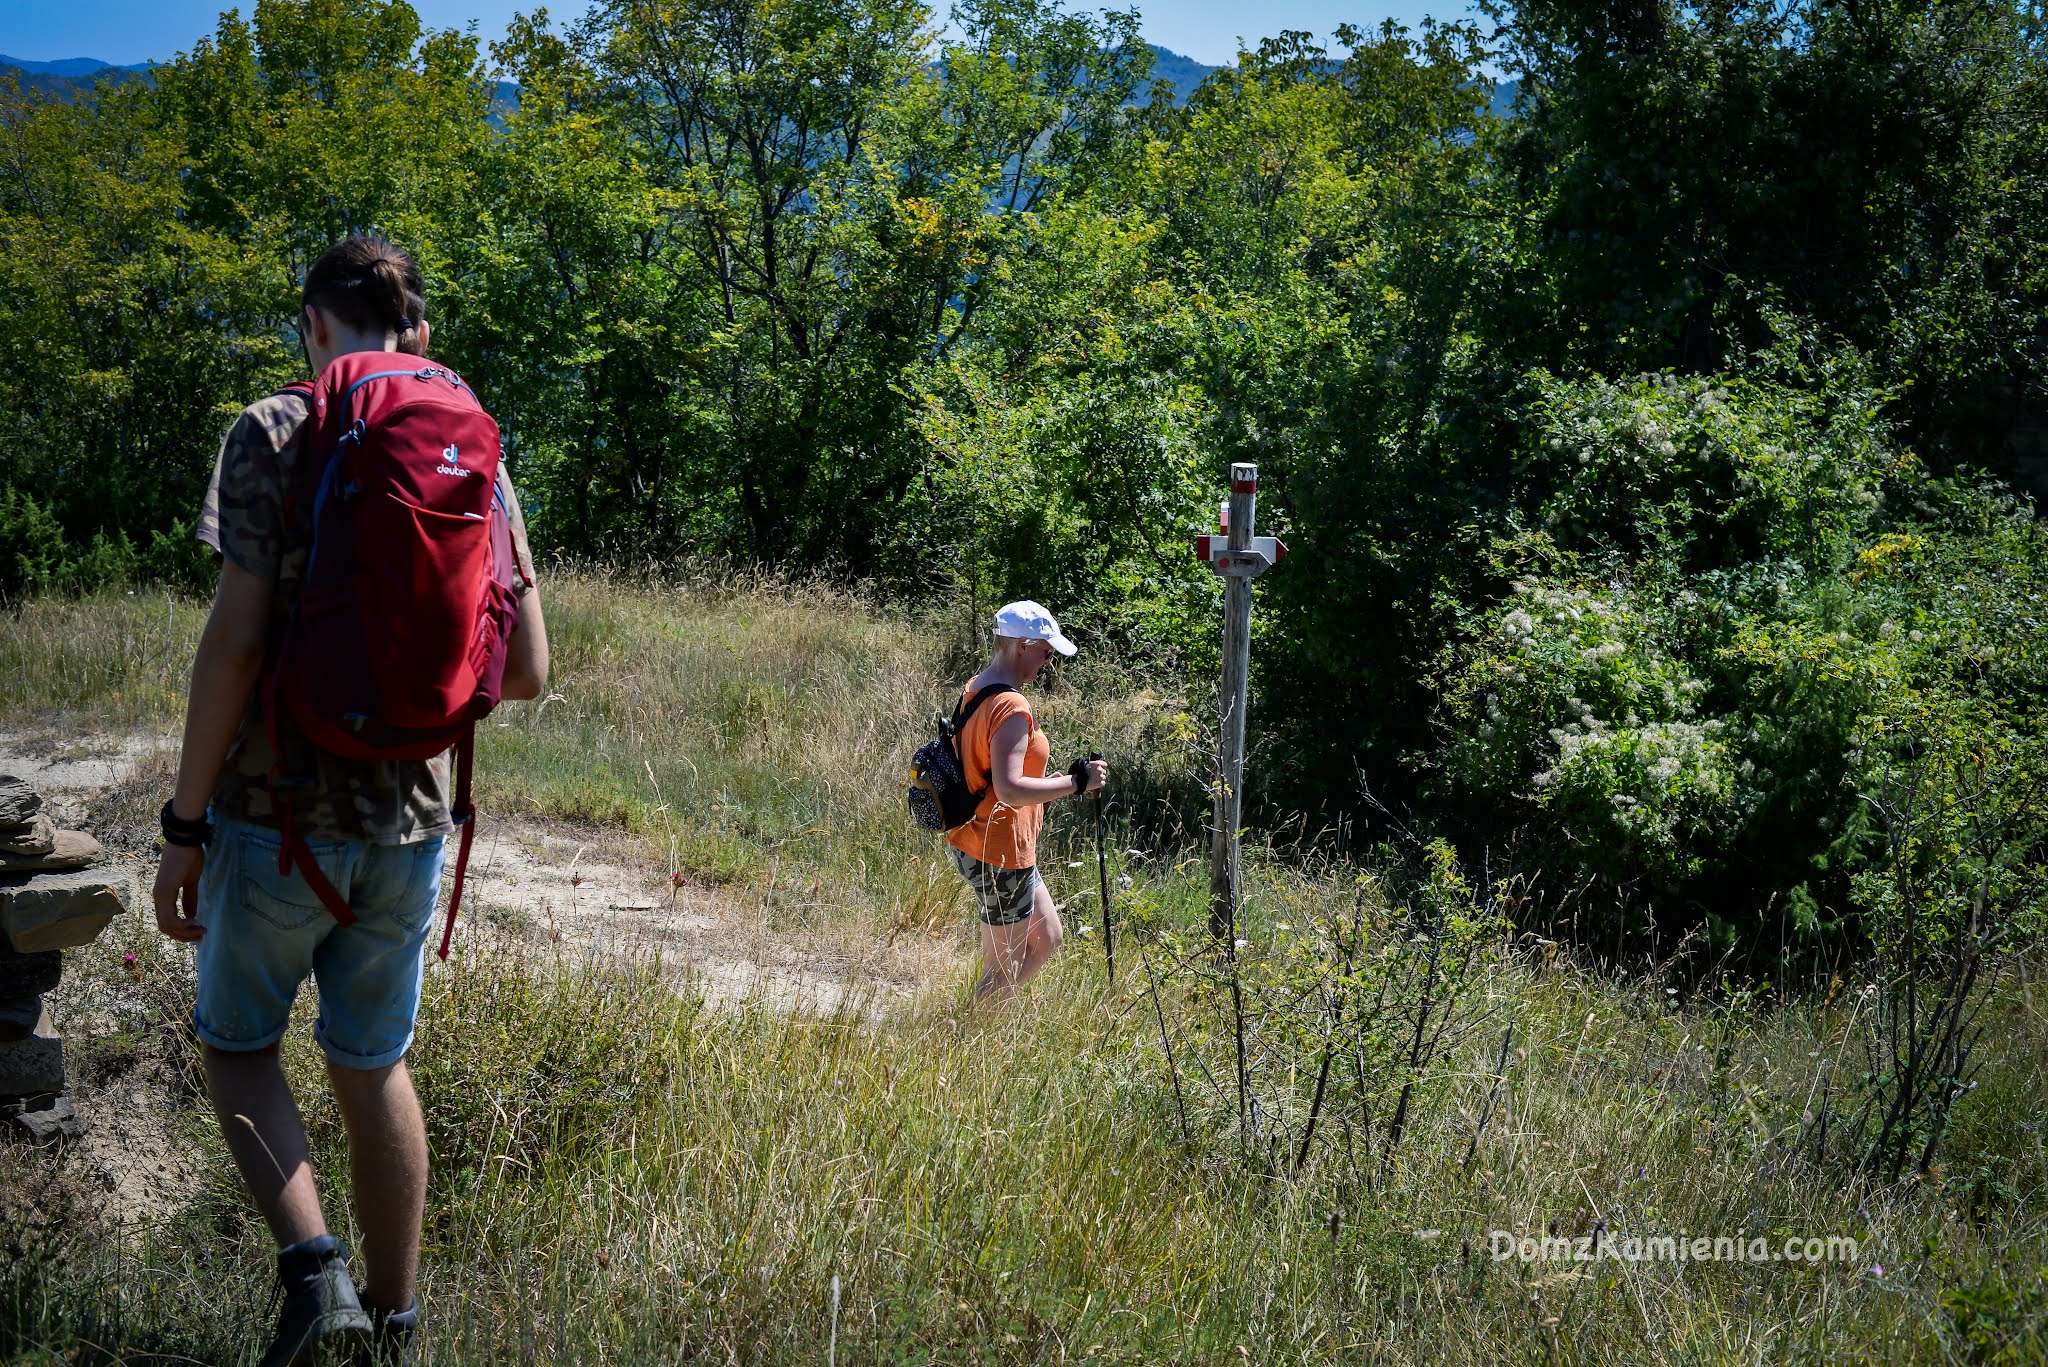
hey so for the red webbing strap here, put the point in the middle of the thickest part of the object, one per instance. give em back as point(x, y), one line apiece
point(295, 852)
point(465, 816)
point(292, 845)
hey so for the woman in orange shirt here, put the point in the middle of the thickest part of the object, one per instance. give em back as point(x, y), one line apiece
point(1004, 753)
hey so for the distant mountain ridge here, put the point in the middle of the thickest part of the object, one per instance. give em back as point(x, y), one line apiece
point(1185, 72)
point(70, 66)
point(64, 80)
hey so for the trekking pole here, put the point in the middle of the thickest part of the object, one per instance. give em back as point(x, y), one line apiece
point(1102, 870)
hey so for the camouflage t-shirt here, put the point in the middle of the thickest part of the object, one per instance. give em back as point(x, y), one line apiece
point(387, 802)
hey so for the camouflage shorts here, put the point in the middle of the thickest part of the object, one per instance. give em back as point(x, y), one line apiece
point(1003, 896)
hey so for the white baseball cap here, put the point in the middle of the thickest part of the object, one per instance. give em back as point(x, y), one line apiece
point(1027, 621)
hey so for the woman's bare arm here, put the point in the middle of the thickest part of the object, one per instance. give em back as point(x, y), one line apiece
point(1006, 769)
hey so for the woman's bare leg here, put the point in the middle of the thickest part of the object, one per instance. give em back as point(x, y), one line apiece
point(1012, 955)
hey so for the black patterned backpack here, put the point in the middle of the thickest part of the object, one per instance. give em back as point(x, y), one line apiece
point(939, 797)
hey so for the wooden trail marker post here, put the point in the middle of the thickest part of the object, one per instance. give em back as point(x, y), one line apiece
point(1240, 558)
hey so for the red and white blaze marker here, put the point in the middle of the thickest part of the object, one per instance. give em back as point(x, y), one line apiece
point(1251, 562)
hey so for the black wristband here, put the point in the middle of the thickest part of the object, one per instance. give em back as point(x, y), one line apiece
point(178, 831)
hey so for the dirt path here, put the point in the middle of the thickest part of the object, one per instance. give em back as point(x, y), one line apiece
point(597, 894)
point(593, 892)
point(589, 894)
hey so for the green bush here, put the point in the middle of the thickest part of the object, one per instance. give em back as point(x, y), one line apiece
point(1737, 586)
point(38, 559)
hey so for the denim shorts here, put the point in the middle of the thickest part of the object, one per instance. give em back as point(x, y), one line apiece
point(1003, 897)
point(267, 932)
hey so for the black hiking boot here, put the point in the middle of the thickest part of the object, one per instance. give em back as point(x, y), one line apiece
point(318, 1307)
point(395, 1341)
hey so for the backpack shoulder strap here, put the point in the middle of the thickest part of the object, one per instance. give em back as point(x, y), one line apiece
point(967, 707)
point(294, 497)
point(958, 727)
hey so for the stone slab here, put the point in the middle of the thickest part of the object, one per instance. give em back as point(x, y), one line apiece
point(52, 1122)
point(33, 1065)
point(25, 975)
point(62, 910)
point(18, 801)
point(68, 850)
point(19, 1017)
point(38, 836)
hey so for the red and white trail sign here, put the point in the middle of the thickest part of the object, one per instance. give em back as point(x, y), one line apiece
point(1261, 555)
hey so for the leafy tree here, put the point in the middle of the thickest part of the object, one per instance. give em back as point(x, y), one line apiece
point(830, 203)
point(109, 409)
point(1871, 168)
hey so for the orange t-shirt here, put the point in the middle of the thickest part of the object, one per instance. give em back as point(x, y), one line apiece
point(1000, 834)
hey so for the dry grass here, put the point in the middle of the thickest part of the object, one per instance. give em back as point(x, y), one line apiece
point(121, 656)
point(621, 1176)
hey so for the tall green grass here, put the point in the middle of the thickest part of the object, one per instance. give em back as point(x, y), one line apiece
point(622, 1176)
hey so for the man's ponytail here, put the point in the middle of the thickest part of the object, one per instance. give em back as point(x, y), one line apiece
point(369, 285)
point(412, 339)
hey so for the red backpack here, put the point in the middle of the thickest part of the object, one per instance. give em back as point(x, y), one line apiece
point(396, 643)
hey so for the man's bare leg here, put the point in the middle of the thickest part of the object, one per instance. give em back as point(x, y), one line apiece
point(268, 1139)
point(387, 1150)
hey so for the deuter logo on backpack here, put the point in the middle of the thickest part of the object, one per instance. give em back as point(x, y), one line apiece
point(451, 463)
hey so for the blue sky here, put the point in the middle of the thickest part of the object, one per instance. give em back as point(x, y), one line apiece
point(125, 31)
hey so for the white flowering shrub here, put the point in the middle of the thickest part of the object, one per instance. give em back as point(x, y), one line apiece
point(1570, 702)
point(1715, 469)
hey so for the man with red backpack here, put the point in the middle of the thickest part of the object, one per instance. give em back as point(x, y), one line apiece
point(376, 599)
